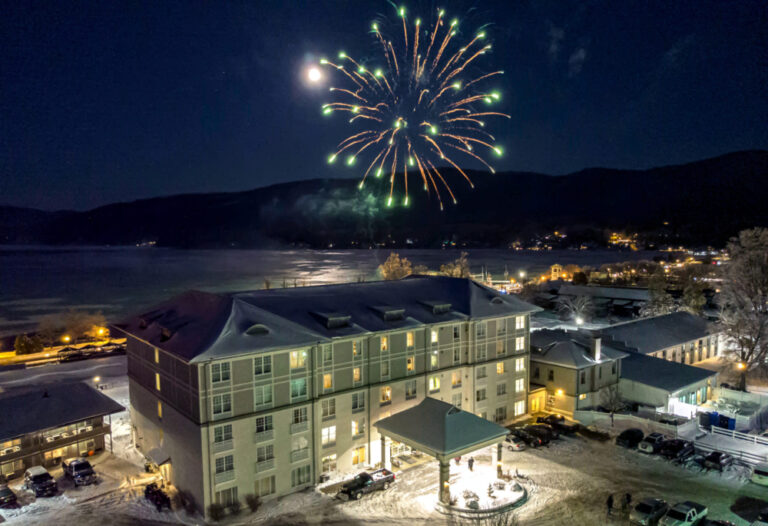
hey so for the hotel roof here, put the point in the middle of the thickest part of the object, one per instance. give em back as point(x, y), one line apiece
point(198, 326)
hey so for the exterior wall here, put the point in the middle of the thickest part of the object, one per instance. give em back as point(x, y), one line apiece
point(49, 447)
point(643, 394)
point(693, 351)
point(566, 392)
point(445, 361)
point(174, 433)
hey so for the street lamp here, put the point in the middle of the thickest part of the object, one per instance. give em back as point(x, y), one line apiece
point(66, 338)
point(579, 320)
point(741, 365)
point(521, 274)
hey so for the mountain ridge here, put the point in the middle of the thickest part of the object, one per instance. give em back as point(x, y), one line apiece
point(705, 202)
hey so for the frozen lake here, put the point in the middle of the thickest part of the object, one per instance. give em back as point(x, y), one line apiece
point(35, 281)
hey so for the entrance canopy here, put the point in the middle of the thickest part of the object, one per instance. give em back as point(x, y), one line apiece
point(441, 430)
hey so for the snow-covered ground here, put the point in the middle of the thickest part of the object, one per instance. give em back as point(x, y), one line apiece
point(568, 484)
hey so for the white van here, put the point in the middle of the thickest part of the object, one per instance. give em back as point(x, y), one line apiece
point(760, 474)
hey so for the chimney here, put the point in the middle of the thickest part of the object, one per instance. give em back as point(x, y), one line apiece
point(595, 345)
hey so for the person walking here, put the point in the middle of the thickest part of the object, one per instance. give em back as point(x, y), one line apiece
point(627, 501)
point(471, 462)
point(609, 504)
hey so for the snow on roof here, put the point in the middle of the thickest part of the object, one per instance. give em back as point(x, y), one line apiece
point(570, 349)
point(417, 300)
point(197, 326)
point(662, 374)
point(35, 409)
point(441, 427)
point(649, 335)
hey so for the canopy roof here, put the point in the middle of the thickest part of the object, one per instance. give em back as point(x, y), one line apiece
point(441, 429)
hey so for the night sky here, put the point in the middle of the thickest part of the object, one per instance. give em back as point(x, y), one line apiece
point(109, 101)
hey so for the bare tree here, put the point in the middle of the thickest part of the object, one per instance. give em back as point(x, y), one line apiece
point(395, 267)
point(506, 518)
point(610, 399)
point(661, 301)
point(744, 316)
point(575, 307)
point(458, 268)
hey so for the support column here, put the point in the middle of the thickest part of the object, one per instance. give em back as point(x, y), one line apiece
point(383, 452)
point(444, 490)
point(499, 447)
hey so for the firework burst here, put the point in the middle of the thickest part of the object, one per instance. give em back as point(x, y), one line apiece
point(417, 113)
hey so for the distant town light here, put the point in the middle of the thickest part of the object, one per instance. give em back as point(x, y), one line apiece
point(66, 338)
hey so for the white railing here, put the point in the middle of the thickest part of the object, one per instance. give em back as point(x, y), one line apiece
point(261, 436)
point(265, 465)
point(740, 436)
point(224, 445)
point(224, 476)
point(299, 427)
point(300, 454)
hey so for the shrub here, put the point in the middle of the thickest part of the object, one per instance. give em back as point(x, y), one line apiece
point(216, 511)
point(253, 502)
point(234, 507)
point(186, 500)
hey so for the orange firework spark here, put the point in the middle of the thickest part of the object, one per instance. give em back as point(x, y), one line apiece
point(418, 107)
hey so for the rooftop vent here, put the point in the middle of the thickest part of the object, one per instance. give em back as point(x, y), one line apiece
point(257, 329)
point(165, 334)
point(388, 313)
point(333, 320)
point(437, 307)
point(497, 300)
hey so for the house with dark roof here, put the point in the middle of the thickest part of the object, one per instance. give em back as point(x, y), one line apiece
point(680, 337)
point(666, 386)
point(266, 391)
point(42, 426)
point(574, 367)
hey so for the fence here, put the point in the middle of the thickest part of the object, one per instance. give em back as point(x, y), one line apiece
point(761, 400)
point(623, 420)
point(738, 446)
point(755, 439)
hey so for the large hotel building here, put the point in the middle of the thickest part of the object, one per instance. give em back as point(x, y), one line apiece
point(265, 392)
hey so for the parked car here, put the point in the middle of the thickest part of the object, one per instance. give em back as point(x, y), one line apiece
point(38, 480)
point(543, 432)
point(629, 438)
point(367, 482)
point(66, 355)
point(515, 443)
point(79, 470)
point(760, 474)
point(7, 497)
point(651, 444)
point(677, 449)
point(648, 512)
point(554, 434)
point(718, 460)
point(559, 423)
point(528, 438)
point(684, 514)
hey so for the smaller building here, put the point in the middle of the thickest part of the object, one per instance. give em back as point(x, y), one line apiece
point(666, 386)
point(574, 367)
point(678, 337)
point(40, 426)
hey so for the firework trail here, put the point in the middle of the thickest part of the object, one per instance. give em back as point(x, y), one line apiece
point(416, 112)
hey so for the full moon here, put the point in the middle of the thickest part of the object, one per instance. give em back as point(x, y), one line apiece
point(314, 74)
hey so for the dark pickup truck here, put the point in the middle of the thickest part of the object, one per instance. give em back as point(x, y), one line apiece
point(79, 470)
point(367, 482)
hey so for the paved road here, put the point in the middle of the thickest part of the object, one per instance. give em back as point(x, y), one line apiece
point(85, 370)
